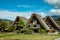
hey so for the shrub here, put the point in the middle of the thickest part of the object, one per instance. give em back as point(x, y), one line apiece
point(18, 31)
point(12, 28)
point(42, 31)
point(28, 31)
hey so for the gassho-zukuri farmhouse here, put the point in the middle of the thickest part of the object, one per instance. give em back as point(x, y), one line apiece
point(36, 22)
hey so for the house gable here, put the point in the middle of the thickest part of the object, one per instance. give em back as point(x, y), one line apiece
point(51, 23)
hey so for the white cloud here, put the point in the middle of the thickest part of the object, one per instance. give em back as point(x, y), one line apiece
point(42, 14)
point(5, 14)
point(54, 12)
point(25, 6)
point(12, 15)
point(55, 3)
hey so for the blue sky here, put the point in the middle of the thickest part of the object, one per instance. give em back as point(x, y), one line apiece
point(9, 9)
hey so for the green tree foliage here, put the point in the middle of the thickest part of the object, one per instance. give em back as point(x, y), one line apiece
point(28, 31)
point(12, 28)
point(21, 23)
point(1, 25)
point(1, 22)
point(42, 31)
point(7, 25)
point(57, 21)
point(4, 25)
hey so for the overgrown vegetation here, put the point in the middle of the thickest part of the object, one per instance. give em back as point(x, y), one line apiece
point(4, 26)
point(21, 23)
point(42, 31)
point(57, 21)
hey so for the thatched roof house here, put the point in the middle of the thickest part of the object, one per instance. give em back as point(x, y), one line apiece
point(51, 23)
point(35, 21)
point(19, 18)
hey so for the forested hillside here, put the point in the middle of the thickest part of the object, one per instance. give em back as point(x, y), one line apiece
point(57, 20)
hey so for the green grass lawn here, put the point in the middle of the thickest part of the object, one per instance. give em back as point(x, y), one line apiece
point(12, 36)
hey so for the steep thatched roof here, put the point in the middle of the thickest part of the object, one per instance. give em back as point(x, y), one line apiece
point(20, 18)
point(52, 20)
point(41, 21)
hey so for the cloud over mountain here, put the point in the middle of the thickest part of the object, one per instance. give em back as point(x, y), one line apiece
point(54, 12)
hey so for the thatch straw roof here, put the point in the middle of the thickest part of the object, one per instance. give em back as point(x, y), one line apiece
point(52, 20)
point(40, 20)
point(20, 18)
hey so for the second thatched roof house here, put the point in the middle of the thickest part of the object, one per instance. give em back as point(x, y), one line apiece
point(36, 22)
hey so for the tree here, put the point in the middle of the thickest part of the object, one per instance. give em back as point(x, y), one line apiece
point(4, 25)
point(58, 19)
point(1, 22)
point(1, 26)
point(12, 28)
point(7, 25)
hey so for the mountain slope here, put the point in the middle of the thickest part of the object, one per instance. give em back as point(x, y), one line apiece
point(55, 16)
point(7, 20)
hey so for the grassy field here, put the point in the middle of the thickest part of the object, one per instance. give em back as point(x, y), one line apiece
point(13, 36)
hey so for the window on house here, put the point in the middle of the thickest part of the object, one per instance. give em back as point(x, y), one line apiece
point(34, 25)
point(28, 25)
